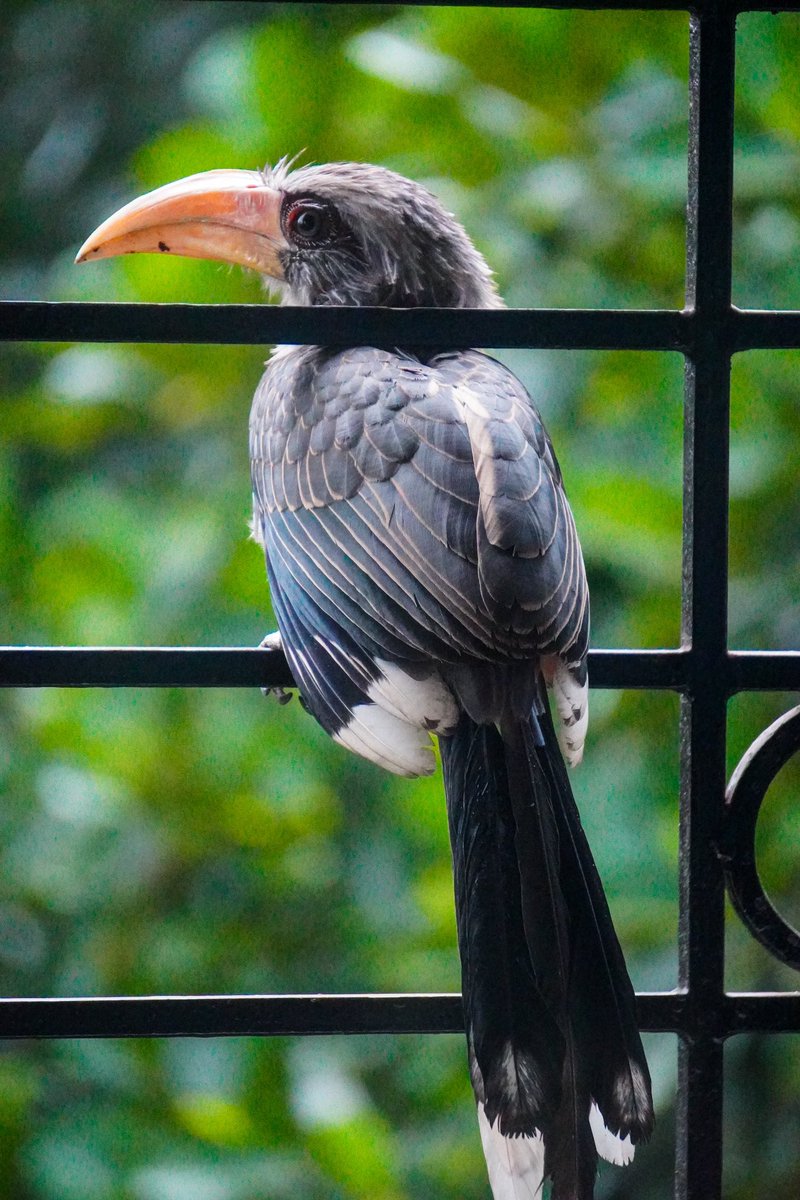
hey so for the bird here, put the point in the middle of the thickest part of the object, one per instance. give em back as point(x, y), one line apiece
point(427, 579)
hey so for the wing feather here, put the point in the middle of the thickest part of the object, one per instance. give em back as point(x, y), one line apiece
point(437, 501)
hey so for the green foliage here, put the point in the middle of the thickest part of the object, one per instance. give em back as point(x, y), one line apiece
point(183, 841)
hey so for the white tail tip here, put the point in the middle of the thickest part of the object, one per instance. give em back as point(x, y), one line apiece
point(515, 1164)
point(610, 1146)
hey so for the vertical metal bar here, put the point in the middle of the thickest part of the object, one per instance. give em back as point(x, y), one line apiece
point(704, 617)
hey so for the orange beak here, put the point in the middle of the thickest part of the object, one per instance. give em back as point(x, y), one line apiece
point(230, 216)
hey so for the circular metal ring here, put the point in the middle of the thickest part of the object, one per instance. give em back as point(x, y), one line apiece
point(743, 799)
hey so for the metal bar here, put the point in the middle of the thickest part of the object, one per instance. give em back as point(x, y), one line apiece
point(768, 6)
point(233, 666)
point(703, 710)
point(698, 1159)
point(230, 1016)
point(763, 1012)
point(164, 666)
point(600, 5)
point(266, 324)
point(754, 329)
point(753, 671)
point(263, 324)
point(123, 666)
point(299, 1015)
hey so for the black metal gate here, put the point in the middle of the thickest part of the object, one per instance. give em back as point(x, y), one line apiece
point(717, 834)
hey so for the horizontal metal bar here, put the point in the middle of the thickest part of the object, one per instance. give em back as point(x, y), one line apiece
point(757, 329)
point(735, 1013)
point(651, 669)
point(586, 5)
point(674, 670)
point(267, 324)
point(230, 1016)
point(597, 5)
point(768, 6)
point(763, 1012)
point(263, 324)
point(181, 666)
point(764, 671)
point(282, 1016)
point(129, 666)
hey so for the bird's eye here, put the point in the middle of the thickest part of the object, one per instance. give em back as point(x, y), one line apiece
point(310, 223)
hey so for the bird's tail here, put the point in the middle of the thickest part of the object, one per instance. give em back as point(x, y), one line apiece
point(557, 1063)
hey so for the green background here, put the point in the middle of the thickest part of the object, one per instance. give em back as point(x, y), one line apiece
point(210, 841)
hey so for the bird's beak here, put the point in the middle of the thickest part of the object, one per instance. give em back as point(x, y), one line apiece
point(231, 216)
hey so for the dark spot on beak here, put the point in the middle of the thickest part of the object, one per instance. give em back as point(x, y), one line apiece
point(163, 247)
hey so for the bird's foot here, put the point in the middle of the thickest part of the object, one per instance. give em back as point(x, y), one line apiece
point(273, 642)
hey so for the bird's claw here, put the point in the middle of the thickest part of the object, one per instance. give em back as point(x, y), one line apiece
point(273, 642)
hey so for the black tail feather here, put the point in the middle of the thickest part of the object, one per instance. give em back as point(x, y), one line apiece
point(570, 1158)
point(603, 1001)
point(549, 1007)
point(513, 1035)
point(570, 1153)
point(537, 860)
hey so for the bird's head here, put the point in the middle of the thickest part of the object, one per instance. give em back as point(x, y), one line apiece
point(341, 233)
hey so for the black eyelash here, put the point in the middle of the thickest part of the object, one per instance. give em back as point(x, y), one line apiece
point(329, 226)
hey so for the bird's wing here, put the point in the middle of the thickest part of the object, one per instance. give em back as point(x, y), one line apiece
point(419, 507)
point(530, 570)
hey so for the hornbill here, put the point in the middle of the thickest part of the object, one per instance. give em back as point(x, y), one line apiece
point(427, 578)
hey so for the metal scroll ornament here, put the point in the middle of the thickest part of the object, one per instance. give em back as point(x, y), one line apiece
point(746, 792)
